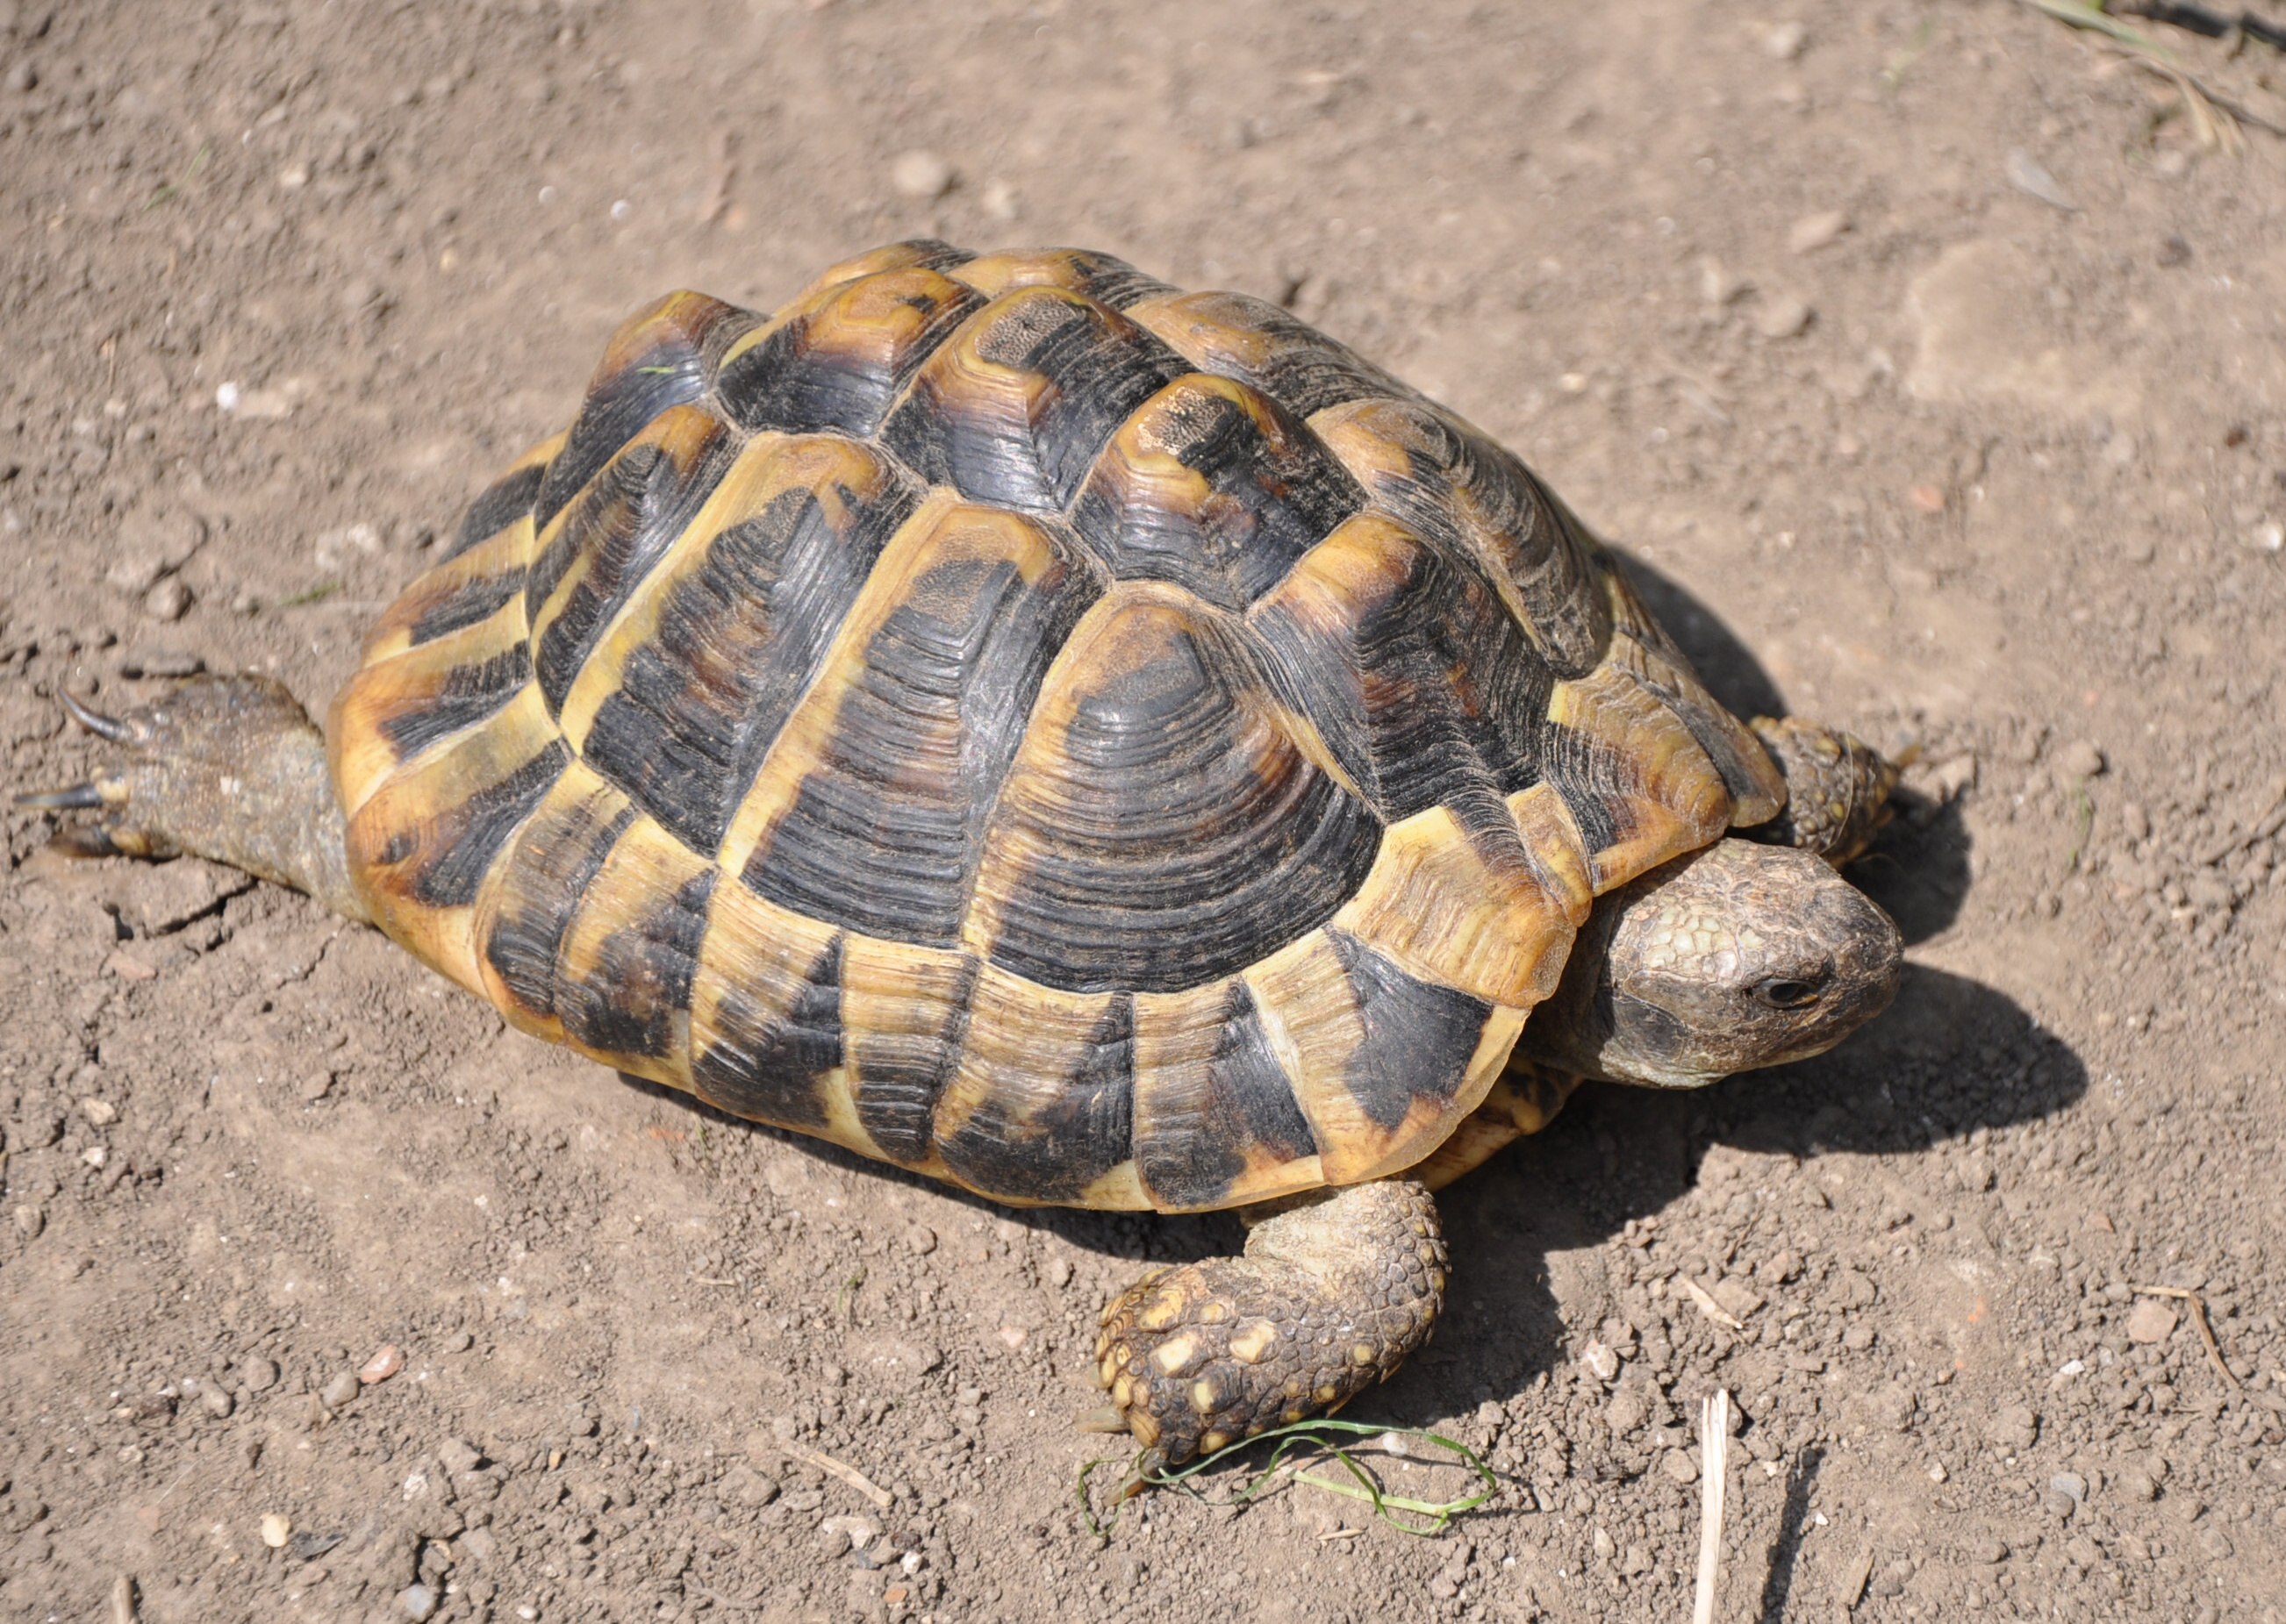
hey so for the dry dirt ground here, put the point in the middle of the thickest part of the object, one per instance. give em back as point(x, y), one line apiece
point(1774, 295)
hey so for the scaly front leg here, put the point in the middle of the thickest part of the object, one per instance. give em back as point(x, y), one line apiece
point(1327, 1300)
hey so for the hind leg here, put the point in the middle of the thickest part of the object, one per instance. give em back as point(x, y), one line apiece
point(230, 769)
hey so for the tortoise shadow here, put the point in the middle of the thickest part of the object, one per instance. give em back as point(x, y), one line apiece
point(1951, 1056)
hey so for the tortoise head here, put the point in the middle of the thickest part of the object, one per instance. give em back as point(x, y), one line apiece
point(1737, 955)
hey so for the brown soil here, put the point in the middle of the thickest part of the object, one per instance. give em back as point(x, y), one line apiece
point(1956, 464)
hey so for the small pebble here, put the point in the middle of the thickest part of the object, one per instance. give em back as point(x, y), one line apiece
point(168, 601)
point(2153, 1322)
point(23, 77)
point(29, 1221)
point(102, 1113)
point(1785, 42)
point(386, 1362)
point(218, 1402)
point(920, 174)
point(1814, 231)
point(1601, 1361)
point(2070, 1484)
point(419, 1601)
point(257, 1374)
point(341, 1391)
point(275, 1531)
point(1678, 1465)
point(1782, 316)
point(316, 1086)
point(921, 1239)
point(2080, 759)
point(1059, 1273)
point(458, 1342)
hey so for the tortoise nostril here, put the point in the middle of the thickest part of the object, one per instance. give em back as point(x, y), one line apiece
point(1788, 992)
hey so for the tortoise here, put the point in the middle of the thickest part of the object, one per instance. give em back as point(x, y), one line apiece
point(1087, 741)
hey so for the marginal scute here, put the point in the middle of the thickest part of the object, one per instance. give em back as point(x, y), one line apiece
point(768, 1035)
point(1465, 910)
point(1639, 788)
point(1756, 787)
point(403, 706)
point(1384, 1063)
point(905, 1010)
point(594, 557)
point(1216, 1120)
point(625, 969)
point(471, 587)
point(1041, 1104)
point(536, 885)
point(506, 499)
point(1081, 270)
point(425, 840)
point(1167, 820)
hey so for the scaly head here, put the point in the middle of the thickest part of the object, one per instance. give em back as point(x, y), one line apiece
point(1740, 955)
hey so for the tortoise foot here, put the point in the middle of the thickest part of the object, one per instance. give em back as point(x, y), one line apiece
point(1837, 788)
point(227, 768)
point(1326, 1301)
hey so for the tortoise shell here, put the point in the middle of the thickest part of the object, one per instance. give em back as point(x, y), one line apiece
point(1088, 742)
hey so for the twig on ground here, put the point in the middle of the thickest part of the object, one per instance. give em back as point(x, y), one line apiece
point(1714, 1475)
point(1708, 1306)
point(882, 1498)
point(2201, 97)
point(2199, 1319)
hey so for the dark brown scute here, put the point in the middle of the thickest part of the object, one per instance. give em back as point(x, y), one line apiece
point(1267, 492)
point(1419, 1037)
point(1067, 1133)
point(1014, 410)
point(840, 364)
point(1419, 679)
point(465, 697)
point(772, 1067)
point(618, 529)
point(661, 357)
point(884, 832)
point(739, 640)
point(632, 1000)
point(902, 1074)
point(505, 500)
point(1201, 1120)
point(549, 866)
point(450, 856)
point(1171, 831)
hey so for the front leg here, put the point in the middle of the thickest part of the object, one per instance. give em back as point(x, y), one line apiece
point(1838, 788)
point(1327, 1300)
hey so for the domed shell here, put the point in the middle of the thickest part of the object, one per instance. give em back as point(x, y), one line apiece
point(1093, 743)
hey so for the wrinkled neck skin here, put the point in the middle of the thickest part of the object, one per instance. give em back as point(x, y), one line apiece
point(1737, 957)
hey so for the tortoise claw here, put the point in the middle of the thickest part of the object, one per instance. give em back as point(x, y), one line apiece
point(94, 720)
point(79, 797)
point(1103, 1418)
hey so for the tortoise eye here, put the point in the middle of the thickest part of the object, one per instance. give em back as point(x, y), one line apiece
point(1787, 991)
